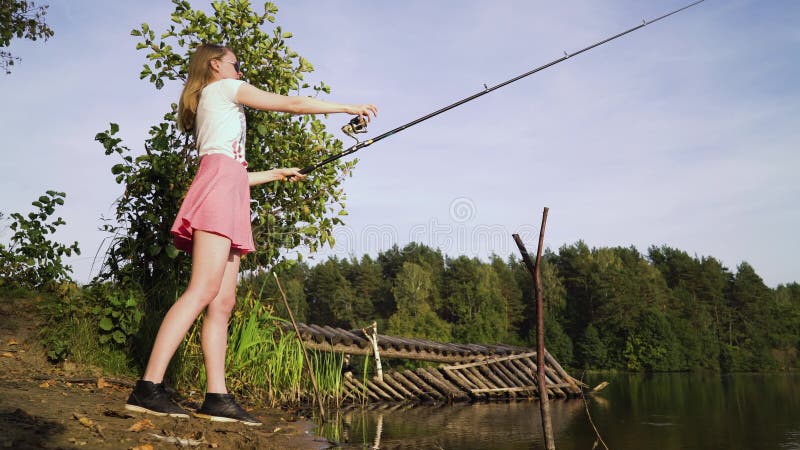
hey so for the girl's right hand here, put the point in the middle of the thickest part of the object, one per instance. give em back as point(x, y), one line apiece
point(291, 174)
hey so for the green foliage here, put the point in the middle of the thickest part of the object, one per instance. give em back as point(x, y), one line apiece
point(264, 361)
point(413, 292)
point(20, 19)
point(155, 178)
point(118, 312)
point(591, 350)
point(32, 260)
point(606, 308)
point(473, 302)
point(60, 312)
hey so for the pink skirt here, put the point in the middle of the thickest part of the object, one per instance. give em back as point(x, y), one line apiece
point(218, 202)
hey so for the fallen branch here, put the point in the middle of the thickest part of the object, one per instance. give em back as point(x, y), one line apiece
point(591, 422)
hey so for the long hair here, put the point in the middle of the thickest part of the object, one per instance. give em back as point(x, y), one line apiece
point(200, 74)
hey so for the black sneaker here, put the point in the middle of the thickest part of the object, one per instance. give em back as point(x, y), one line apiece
point(152, 398)
point(222, 408)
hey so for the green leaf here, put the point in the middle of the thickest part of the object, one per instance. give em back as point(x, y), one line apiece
point(119, 337)
point(106, 324)
point(172, 252)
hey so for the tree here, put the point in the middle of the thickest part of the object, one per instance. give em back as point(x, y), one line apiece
point(474, 302)
point(331, 299)
point(20, 19)
point(284, 215)
point(413, 292)
point(752, 302)
point(696, 305)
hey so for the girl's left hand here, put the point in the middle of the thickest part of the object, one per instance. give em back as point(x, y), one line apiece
point(366, 110)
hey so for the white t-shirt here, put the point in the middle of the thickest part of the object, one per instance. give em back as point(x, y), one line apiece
point(220, 123)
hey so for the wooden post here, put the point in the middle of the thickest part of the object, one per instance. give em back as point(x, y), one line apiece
point(544, 404)
point(373, 338)
point(302, 345)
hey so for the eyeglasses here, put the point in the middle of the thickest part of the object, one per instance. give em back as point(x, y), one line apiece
point(236, 65)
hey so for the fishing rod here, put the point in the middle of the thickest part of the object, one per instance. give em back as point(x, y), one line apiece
point(358, 124)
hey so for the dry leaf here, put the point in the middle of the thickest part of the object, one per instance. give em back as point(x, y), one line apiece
point(101, 383)
point(144, 424)
point(143, 447)
point(85, 421)
point(12, 342)
point(45, 384)
point(7, 355)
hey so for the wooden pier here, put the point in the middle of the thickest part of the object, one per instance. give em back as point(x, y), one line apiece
point(468, 372)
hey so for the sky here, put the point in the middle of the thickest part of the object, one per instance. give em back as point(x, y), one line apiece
point(684, 133)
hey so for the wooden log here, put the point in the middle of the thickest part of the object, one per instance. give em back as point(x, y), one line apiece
point(377, 390)
point(408, 384)
point(365, 390)
point(515, 380)
point(331, 337)
point(575, 390)
point(388, 378)
point(341, 338)
point(459, 393)
point(408, 344)
point(305, 332)
point(550, 374)
point(493, 359)
point(448, 390)
point(488, 374)
point(479, 378)
point(356, 350)
point(357, 340)
point(424, 375)
point(551, 377)
point(394, 395)
point(522, 374)
point(437, 347)
point(458, 378)
point(423, 385)
point(358, 394)
point(316, 335)
point(506, 382)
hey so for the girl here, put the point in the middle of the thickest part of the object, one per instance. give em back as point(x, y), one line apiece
point(213, 223)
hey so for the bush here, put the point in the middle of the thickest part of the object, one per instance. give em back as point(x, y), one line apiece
point(117, 313)
point(32, 260)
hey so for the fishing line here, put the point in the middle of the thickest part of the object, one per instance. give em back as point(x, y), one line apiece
point(358, 125)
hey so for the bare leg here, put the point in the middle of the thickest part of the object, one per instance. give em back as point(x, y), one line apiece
point(210, 254)
point(214, 337)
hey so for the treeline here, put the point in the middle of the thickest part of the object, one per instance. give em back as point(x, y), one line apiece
point(605, 308)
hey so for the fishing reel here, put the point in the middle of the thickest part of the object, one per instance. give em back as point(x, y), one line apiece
point(357, 125)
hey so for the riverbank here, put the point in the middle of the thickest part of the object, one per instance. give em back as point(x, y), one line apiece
point(70, 406)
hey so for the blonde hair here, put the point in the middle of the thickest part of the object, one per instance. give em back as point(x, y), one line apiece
point(200, 74)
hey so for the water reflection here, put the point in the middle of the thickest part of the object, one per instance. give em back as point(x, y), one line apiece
point(659, 412)
point(483, 426)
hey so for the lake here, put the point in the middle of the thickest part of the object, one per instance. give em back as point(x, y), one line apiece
point(687, 411)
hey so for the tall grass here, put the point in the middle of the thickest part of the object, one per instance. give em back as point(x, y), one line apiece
point(264, 363)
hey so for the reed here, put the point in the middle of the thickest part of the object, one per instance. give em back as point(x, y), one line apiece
point(264, 362)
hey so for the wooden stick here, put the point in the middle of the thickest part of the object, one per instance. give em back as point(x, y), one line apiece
point(305, 353)
point(544, 404)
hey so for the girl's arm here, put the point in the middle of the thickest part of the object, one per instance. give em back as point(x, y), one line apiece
point(265, 176)
point(253, 97)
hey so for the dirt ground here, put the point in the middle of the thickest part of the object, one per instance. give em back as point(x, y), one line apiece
point(72, 407)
